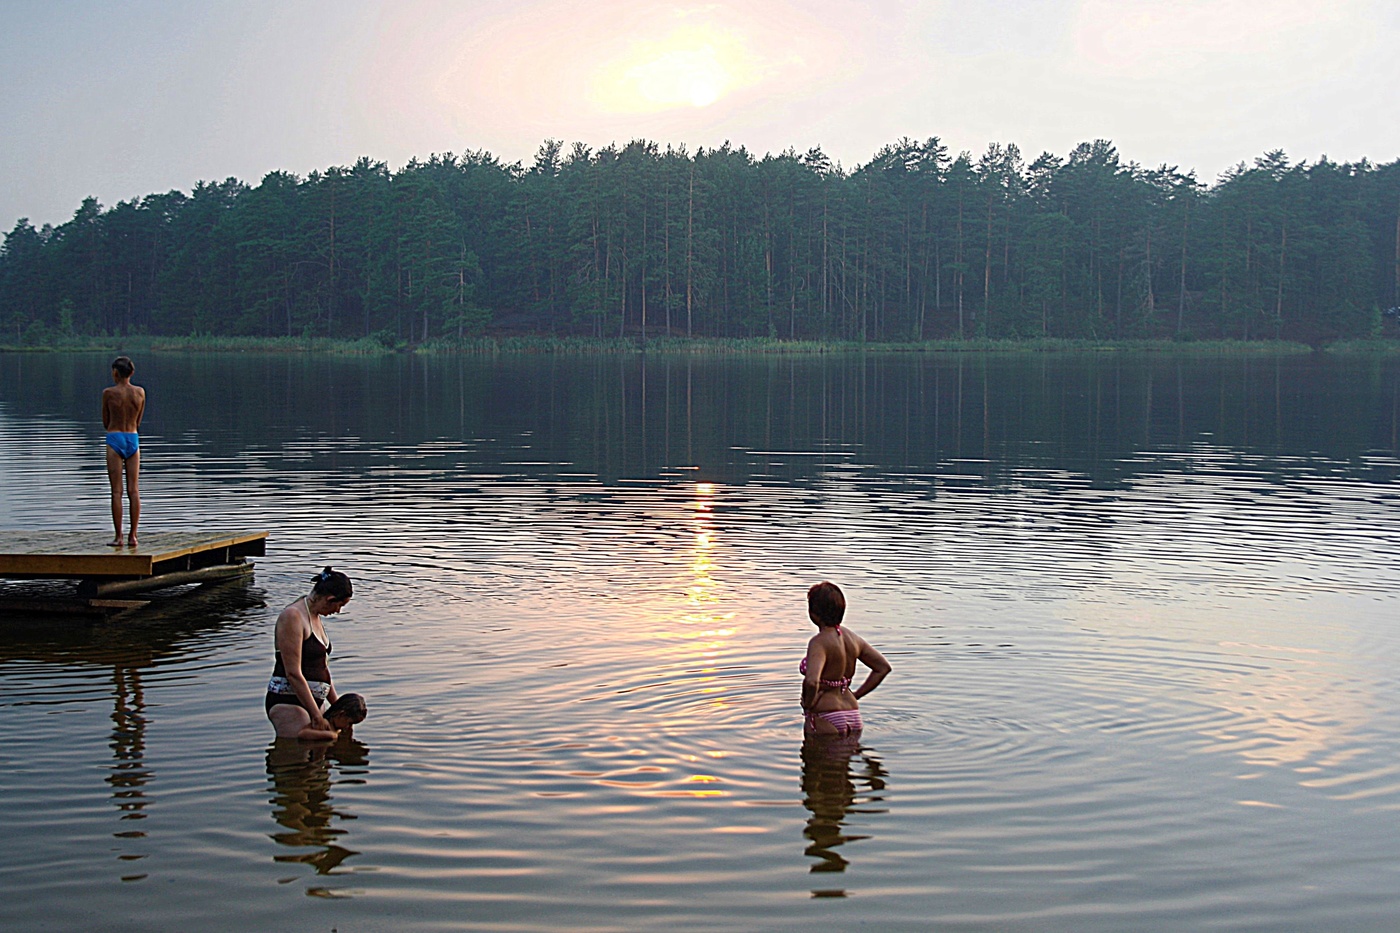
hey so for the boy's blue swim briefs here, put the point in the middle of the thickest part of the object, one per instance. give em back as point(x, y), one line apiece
point(125, 443)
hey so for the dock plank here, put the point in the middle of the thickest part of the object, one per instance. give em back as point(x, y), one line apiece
point(86, 554)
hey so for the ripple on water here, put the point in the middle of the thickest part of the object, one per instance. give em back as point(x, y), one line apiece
point(1148, 689)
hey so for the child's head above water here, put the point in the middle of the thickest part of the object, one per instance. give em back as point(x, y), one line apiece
point(346, 711)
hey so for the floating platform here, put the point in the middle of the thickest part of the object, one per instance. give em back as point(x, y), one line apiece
point(106, 575)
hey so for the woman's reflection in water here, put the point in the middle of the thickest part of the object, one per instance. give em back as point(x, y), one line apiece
point(302, 801)
point(831, 792)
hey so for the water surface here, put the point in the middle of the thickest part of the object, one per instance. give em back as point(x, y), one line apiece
point(1140, 609)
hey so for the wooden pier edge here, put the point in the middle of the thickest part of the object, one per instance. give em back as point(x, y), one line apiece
point(106, 577)
point(76, 555)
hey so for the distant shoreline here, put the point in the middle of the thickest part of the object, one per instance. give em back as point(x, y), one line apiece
point(700, 346)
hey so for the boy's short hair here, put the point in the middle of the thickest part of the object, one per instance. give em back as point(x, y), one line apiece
point(123, 366)
point(826, 604)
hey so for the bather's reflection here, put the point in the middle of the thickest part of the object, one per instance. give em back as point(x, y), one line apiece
point(302, 800)
point(129, 774)
point(832, 792)
point(167, 630)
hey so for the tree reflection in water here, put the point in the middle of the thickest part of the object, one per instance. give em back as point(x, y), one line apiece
point(831, 792)
point(303, 803)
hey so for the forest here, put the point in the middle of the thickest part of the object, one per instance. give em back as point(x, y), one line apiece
point(640, 241)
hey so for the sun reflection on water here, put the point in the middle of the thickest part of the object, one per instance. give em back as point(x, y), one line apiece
point(703, 621)
point(704, 629)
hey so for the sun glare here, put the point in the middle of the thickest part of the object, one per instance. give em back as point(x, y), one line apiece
point(694, 66)
point(626, 69)
point(682, 76)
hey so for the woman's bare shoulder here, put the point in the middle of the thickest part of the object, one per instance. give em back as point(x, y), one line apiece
point(291, 616)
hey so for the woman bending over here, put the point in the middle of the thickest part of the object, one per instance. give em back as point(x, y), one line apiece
point(301, 682)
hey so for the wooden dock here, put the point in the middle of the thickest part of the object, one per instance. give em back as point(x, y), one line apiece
point(107, 576)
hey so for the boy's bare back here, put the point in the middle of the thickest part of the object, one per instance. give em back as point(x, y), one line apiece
point(123, 405)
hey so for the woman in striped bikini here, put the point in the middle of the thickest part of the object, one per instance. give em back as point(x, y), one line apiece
point(831, 707)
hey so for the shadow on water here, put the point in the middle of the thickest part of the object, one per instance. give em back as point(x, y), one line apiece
point(304, 806)
point(832, 791)
point(173, 618)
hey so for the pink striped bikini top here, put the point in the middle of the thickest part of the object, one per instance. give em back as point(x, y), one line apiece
point(839, 684)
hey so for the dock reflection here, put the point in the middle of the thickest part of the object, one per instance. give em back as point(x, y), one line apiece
point(303, 803)
point(840, 777)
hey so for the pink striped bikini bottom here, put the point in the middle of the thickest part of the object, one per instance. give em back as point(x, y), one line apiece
point(846, 721)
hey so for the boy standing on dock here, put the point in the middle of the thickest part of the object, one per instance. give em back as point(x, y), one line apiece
point(123, 404)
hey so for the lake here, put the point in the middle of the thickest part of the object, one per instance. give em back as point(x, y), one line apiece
point(1141, 611)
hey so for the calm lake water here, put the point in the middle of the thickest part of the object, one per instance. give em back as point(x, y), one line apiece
point(1141, 611)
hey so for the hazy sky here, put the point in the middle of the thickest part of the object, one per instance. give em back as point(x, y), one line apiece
point(121, 99)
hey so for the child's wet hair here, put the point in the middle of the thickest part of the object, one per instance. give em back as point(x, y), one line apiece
point(123, 366)
point(332, 583)
point(351, 705)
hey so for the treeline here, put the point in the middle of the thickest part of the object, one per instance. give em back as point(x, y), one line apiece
point(636, 240)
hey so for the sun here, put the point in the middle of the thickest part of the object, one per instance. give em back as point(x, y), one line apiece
point(680, 76)
point(694, 66)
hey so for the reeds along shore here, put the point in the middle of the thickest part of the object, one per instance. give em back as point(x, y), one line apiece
point(490, 345)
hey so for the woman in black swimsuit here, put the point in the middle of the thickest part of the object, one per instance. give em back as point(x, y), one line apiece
point(301, 682)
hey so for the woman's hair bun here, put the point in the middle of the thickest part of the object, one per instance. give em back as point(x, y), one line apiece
point(333, 583)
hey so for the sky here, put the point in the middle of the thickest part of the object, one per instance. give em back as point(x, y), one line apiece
point(119, 100)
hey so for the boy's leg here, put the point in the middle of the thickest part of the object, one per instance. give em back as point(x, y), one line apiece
point(133, 492)
point(114, 477)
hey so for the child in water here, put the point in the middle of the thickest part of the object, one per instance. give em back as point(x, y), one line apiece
point(348, 711)
point(343, 715)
